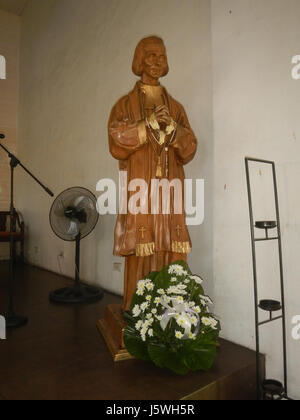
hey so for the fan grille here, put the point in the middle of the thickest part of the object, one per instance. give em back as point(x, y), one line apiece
point(74, 211)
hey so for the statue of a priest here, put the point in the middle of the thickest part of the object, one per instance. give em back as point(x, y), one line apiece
point(150, 135)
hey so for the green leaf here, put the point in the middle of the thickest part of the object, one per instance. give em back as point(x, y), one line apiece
point(128, 317)
point(162, 280)
point(199, 357)
point(158, 354)
point(164, 357)
point(135, 346)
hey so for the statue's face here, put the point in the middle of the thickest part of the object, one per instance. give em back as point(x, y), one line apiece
point(155, 60)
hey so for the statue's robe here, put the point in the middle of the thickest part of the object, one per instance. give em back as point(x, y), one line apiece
point(149, 241)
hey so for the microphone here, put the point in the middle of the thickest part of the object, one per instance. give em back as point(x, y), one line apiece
point(2, 136)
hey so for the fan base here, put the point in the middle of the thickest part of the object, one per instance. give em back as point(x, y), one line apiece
point(15, 321)
point(76, 294)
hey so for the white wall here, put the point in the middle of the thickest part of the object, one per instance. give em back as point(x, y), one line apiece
point(256, 113)
point(75, 64)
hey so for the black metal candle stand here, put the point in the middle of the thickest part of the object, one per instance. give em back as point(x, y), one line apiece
point(269, 389)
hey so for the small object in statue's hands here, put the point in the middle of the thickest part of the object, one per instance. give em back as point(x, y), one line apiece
point(153, 122)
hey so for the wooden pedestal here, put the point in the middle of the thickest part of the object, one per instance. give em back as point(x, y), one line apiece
point(112, 329)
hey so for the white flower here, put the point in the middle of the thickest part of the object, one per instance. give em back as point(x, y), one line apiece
point(206, 321)
point(192, 304)
point(143, 337)
point(150, 332)
point(182, 286)
point(194, 320)
point(187, 281)
point(181, 320)
point(204, 304)
point(148, 298)
point(159, 317)
point(213, 323)
point(171, 269)
point(136, 311)
point(197, 309)
point(180, 299)
point(197, 279)
point(176, 269)
point(138, 325)
point(157, 301)
point(185, 273)
point(210, 322)
point(150, 286)
point(207, 299)
point(140, 291)
point(175, 290)
point(149, 321)
point(173, 279)
point(171, 289)
point(144, 306)
point(146, 324)
point(144, 330)
point(161, 291)
point(192, 336)
point(154, 311)
point(179, 270)
point(178, 335)
point(141, 284)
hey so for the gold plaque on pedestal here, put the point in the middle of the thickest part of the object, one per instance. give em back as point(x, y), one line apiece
point(112, 329)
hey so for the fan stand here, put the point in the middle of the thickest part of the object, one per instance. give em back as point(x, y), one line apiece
point(79, 293)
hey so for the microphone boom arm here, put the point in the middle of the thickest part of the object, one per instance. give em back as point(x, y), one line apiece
point(15, 162)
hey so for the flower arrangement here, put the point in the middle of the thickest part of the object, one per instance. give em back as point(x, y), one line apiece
point(170, 322)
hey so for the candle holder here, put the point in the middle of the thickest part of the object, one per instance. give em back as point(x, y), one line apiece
point(270, 305)
point(266, 225)
point(272, 389)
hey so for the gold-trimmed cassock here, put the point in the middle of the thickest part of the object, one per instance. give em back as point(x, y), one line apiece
point(149, 241)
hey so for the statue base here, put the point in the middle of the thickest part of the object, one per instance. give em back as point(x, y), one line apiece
point(112, 329)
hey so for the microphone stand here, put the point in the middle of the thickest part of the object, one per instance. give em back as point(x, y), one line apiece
point(12, 319)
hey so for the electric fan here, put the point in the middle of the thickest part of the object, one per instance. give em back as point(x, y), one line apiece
point(73, 216)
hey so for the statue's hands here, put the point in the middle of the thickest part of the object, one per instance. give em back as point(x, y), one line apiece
point(162, 115)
